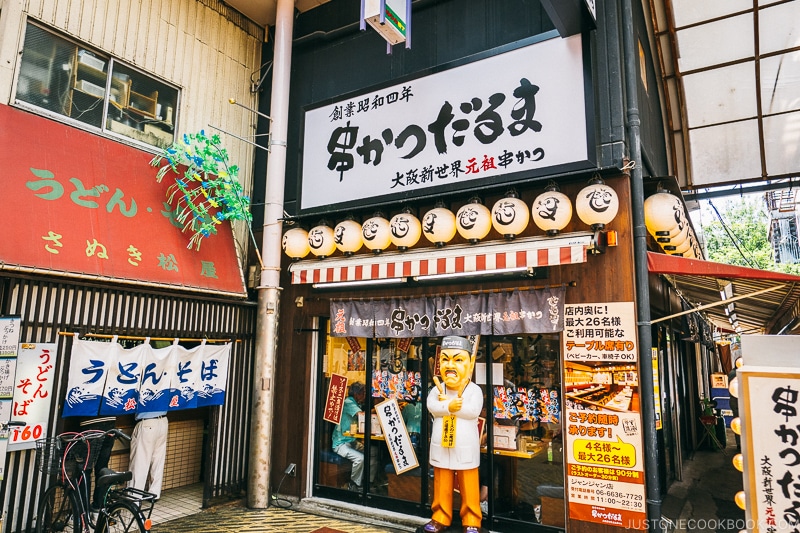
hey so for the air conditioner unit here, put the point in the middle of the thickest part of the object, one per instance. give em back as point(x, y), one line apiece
point(88, 59)
point(90, 88)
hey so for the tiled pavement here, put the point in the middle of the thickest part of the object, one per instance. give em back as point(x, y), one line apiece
point(702, 502)
point(235, 518)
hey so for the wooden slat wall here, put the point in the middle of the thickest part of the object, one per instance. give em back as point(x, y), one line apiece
point(50, 306)
point(203, 46)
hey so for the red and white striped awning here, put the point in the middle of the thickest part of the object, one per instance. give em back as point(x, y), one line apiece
point(461, 258)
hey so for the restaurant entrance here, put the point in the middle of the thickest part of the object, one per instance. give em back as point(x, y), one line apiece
point(521, 471)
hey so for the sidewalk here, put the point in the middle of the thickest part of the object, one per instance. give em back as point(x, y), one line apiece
point(235, 517)
point(702, 502)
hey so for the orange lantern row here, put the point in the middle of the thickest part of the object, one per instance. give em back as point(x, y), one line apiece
point(551, 211)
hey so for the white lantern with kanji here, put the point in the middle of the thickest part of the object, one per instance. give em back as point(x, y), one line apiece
point(321, 240)
point(404, 230)
point(439, 225)
point(295, 243)
point(347, 236)
point(376, 233)
point(551, 210)
point(510, 216)
point(474, 221)
point(597, 204)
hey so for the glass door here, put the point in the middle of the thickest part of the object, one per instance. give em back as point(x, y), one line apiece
point(523, 480)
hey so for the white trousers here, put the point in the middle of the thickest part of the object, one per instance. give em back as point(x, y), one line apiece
point(148, 454)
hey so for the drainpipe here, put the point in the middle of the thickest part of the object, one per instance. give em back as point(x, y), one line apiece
point(651, 462)
point(258, 488)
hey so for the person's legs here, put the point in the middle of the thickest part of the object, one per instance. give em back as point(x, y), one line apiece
point(161, 430)
point(442, 505)
point(141, 452)
point(357, 458)
point(468, 481)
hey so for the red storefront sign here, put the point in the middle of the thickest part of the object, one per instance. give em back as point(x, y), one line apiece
point(80, 204)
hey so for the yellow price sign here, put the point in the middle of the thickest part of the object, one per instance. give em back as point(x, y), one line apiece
point(604, 453)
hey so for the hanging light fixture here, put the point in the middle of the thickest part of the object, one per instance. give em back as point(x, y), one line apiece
point(295, 243)
point(321, 240)
point(510, 215)
point(597, 204)
point(439, 225)
point(376, 233)
point(347, 236)
point(474, 220)
point(551, 210)
point(404, 230)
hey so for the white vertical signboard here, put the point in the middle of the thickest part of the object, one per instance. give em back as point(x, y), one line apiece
point(769, 405)
point(33, 392)
point(9, 343)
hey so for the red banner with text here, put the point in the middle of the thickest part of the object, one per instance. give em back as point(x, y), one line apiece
point(80, 204)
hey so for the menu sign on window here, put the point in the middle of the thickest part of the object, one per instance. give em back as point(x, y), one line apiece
point(603, 426)
point(334, 402)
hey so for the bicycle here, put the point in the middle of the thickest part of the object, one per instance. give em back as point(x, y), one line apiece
point(65, 506)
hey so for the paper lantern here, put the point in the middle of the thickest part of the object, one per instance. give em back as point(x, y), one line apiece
point(597, 204)
point(663, 214)
point(347, 236)
point(510, 216)
point(741, 500)
point(376, 233)
point(473, 221)
point(295, 243)
point(733, 387)
point(404, 230)
point(736, 425)
point(738, 462)
point(439, 226)
point(551, 210)
point(321, 240)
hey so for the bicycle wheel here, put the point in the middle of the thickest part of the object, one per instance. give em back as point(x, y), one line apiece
point(123, 516)
point(57, 512)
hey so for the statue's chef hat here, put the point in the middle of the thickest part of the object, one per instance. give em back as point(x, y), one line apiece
point(457, 343)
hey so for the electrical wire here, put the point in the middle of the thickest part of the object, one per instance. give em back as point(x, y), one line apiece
point(279, 501)
point(731, 236)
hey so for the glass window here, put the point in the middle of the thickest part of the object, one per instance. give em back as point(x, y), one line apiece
point(74, 81)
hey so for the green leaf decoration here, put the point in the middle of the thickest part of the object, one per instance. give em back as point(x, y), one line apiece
point(206, 191)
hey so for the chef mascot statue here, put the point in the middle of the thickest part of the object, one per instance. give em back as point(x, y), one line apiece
point(455, 404)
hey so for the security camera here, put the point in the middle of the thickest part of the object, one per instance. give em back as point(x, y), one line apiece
point(291, 470)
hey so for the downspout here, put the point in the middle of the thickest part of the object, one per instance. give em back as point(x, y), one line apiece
point(258, 488)
point(651, 460)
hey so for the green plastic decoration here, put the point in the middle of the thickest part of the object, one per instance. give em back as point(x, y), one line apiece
point(206, 191)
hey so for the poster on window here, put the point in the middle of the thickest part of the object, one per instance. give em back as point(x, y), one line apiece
point(33, 392)
point(603, 428)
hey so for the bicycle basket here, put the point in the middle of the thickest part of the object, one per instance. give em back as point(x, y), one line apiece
point(48, 455)
point(71, 452)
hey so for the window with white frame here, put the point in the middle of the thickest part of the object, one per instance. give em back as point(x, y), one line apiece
point(82, 84)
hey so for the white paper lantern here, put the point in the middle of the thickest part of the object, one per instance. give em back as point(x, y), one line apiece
point(597, 204)
point(664, 216)
point(376, 233)
point(347, 236)
point(551, 210)
point(510, 216)
point(474, 221)
point(404, 230)
point(321, 240)
point(439, 226)
point(295, 243)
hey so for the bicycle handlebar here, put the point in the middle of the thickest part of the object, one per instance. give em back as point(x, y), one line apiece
point(13, 423)
point(118, 433)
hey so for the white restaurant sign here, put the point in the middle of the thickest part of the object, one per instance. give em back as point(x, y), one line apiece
point(514, 115)
point(769, 400)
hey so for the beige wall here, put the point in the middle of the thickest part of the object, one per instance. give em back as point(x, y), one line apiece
point(205, 48)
